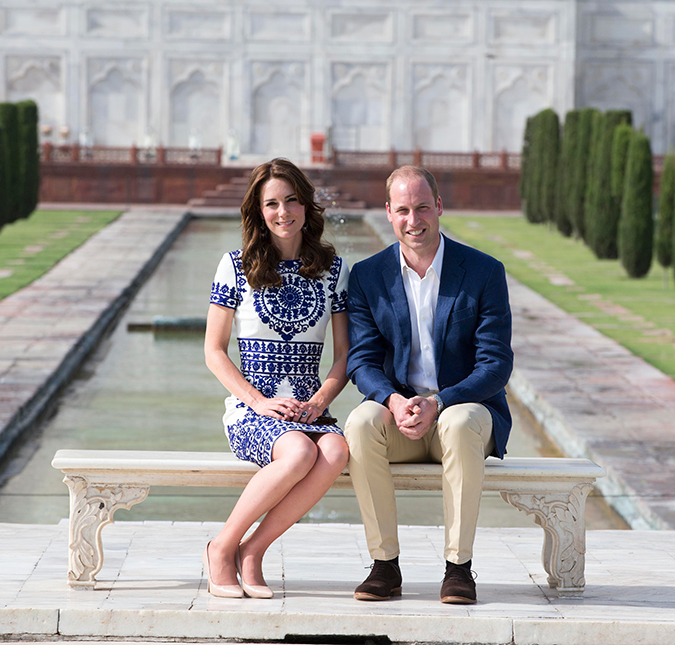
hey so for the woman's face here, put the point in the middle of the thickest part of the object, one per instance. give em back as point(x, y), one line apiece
point(284, 215)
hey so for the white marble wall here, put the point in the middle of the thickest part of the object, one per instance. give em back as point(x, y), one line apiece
point(440, 74)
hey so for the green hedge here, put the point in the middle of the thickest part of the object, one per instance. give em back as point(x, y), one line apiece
point(570, 135)
point(578, 175)
point(602, 211)
point(664, 220)
point(29, 156)
point(550, 134)
point(636, 227)
point(622, 137)
point(4, 216)
point(532, 181)
point(11, 196)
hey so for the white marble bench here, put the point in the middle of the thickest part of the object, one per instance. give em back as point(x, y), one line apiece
point(554, 491)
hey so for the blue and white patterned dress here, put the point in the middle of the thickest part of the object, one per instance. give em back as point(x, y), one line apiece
point(281, 332)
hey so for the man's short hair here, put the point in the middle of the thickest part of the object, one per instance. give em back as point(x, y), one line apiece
point(413, 171)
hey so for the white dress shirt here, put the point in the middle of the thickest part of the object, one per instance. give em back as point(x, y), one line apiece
point(422, 295)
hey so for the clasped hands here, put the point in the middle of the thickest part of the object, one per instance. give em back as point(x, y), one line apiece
point(288, 409)
point(414, 416)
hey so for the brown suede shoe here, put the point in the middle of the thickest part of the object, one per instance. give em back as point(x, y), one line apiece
point(383, 582)
point(458, 586)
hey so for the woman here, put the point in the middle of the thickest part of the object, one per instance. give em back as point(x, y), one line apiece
point(281, 289)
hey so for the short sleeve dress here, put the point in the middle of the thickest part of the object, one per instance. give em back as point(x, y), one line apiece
point(281, 332)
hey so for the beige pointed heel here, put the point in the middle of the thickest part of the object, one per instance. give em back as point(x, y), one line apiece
point(252, 591)
point(221, 591)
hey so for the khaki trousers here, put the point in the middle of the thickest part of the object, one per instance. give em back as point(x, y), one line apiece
point(460, 440)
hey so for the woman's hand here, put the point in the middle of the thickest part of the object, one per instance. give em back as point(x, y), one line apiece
point(284, 408)
point(310, 411)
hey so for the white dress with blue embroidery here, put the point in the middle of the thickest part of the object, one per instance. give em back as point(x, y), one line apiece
point(281, 331)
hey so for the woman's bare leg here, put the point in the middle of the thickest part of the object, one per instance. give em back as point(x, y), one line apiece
point(293, 456)
point(331, 459)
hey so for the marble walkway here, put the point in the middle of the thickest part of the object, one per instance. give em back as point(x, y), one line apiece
point(152, 585)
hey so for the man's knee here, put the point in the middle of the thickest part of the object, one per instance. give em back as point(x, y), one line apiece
point(456, 420)
point(369, 419)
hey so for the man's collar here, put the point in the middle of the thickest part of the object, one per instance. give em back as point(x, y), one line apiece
point(436, 264)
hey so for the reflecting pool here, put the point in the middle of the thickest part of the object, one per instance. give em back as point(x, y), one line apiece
point(152, 391)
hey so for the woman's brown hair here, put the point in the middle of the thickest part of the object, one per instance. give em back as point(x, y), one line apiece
point(259, 256)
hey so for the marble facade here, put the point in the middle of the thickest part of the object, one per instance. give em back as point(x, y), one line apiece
point(451, 75)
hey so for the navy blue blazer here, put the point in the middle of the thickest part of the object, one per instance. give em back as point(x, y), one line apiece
point(472, 332)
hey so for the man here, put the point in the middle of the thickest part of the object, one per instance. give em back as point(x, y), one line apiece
point(429, 333)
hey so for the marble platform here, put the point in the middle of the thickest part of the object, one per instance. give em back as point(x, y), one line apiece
point(152, 585)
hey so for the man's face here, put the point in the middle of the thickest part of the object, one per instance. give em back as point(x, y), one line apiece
point(414, 214)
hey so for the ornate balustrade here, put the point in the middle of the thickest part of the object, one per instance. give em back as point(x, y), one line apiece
point(474, 161)
point(107, 155)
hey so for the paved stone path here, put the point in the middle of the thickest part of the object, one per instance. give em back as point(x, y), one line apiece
point(152, 585)
point(47, 328)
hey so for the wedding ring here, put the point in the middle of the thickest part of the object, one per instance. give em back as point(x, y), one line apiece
point(304, 414)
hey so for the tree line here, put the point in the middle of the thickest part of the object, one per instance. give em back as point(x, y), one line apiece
point(592, 177)
point(19, 161)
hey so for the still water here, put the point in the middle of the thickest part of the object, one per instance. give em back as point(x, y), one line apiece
point(152, 391)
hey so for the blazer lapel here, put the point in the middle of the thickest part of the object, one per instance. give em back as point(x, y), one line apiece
point(452, 276)
point(391, 273)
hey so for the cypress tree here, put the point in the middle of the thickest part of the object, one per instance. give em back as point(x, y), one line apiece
point(10, 125)
point(622, 137)
point(591, 185)
point(533, 177)
point(602, 225)
point(29, 160)
point(664, 220)
point(578, 175)
point(550, 137)
point(522, 183)
point(636, 226)
point(565, 172)
point(3, 174)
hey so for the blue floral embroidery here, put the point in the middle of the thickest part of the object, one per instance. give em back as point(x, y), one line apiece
point(226, 295)
point(266, 363)
point(338, 300)
point(295, 306)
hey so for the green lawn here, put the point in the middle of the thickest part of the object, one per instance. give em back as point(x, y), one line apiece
point(639, 314)
point(30, 247)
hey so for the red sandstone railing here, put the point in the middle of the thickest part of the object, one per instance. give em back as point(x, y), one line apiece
point(437, 160)
point(160, 156)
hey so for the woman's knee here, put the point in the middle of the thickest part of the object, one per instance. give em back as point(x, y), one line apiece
point(334, 450)
point(296, 451)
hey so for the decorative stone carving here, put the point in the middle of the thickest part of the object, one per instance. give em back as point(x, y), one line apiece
point(443, 27)
point(38, 78)
point(620, 85)
point(116, 100)
point(359, 106)
point(196, 103)
point(519, 92)
point(441, 107)
point(280, 108)
point(91, 508)
point(616, 29)
point(188, 24)
point(29, 21)
point(278, 25)
point(108, 22)
point(561, 515)
point(367, 26)
point(523, 27)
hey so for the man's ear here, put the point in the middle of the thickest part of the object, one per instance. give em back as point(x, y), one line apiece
point(386, 205)
point(439, 206)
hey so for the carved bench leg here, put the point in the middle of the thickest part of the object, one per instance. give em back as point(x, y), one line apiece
point(561, 515)
point(92, 507)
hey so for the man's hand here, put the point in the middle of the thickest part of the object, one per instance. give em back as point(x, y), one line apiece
point(415, 416)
